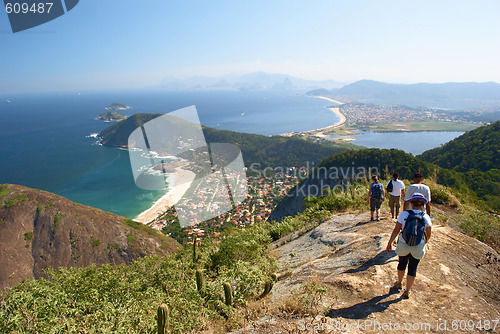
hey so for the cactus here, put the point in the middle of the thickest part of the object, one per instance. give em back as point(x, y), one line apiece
point(228, 294)
point(269, 285)
point(195, 241)
point(267, 288)
point(200, 279)
point(163, 319)
point(274, 277)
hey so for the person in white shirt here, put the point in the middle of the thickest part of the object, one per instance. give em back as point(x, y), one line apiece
point(418, 187)
point(398, 189)
point(410, 255)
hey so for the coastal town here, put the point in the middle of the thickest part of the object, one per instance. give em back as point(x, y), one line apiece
point(356, 117)
point(213, 204)
point(264, 193)
point(362, 114)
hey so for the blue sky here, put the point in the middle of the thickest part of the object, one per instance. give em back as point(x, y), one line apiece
point(103, 44)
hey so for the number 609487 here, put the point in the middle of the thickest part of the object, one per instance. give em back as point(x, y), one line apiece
point(25, 8)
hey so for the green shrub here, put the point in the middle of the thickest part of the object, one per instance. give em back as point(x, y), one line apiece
point(13, 201)
point(57, 220)
point(3, 191)
point(482, 226)
point(112, 246)
point(307, 299)
point(28, 236)
point(95, 242)
point(130, 239)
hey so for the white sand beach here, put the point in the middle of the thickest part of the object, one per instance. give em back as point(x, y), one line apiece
point(336, 111)
point(178, 184)
point(318, 132)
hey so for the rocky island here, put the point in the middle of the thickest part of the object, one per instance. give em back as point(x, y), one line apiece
point(117, 106)
point(111, 116)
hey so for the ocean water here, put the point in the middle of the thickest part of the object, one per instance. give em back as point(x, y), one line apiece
point(45, 143)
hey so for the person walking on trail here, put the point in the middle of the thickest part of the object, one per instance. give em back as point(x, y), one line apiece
point(395, 188)
point(418, 187)
point(376, 195)
point(415, 226)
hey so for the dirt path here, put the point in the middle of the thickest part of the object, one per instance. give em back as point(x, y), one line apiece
point(456, 289)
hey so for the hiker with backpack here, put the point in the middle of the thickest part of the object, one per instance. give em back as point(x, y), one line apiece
point(395, 188)
point(418, 187)
point(415, 227)
point(375, 196)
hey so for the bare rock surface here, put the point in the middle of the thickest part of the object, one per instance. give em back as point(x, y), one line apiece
point(457, 288)
point(40, 230)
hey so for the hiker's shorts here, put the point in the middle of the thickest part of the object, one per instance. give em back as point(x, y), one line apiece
point(417, 251)
point(375, 203)
point(409, 261)
point(394, 201)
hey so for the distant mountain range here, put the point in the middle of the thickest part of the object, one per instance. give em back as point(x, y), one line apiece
point(452, 95)
point(250, 81)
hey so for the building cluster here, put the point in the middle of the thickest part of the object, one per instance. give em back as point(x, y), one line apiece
point(363, 114)
point(264, 193)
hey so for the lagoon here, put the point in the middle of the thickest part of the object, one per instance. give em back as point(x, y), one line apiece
point(410, 142)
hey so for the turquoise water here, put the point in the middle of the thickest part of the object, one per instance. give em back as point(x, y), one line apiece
point(44, 140)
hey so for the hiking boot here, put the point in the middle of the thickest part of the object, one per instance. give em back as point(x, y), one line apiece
point(406, 294)
point(398, 285)
point(378, 218)
point(371, 219)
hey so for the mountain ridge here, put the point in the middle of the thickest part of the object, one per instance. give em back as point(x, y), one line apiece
point(450, 95)
point(248, 81)
point(266, 151)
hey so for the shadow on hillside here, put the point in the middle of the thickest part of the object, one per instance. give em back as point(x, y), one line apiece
point(379, 259)
point(364, 309)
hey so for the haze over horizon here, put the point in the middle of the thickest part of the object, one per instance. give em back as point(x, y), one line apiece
point(126, 44)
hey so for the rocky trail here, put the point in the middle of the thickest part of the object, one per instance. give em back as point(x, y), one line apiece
point(457, 288)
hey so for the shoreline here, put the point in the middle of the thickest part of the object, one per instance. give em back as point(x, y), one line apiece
point(318, 132)
point(178, 184)
point(329, 99)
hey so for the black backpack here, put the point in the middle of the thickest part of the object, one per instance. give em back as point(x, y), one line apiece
point(389, 186)
point(414, 229)
point(377, 190)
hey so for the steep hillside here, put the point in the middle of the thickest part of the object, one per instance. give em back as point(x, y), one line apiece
point(117, 134)
point(478, 149)
point(39, 230)
point(345, 167)
point(334, 270)
point(266, 151)
point(476, 154)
